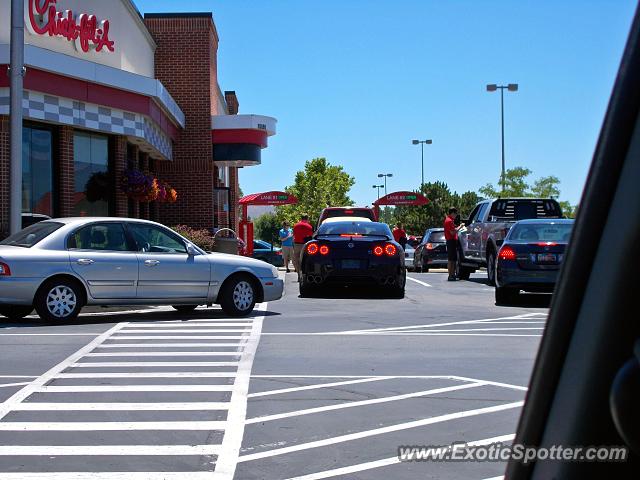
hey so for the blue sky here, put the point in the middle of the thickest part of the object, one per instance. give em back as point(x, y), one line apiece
point(355, 80)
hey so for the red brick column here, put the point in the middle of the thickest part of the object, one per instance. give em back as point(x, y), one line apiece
point(66, 184)
point(119, 159)
point(4, 176)
point(132, 162)
point(144, 167)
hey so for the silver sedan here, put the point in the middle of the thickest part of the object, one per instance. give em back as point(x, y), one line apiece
point(58, 266)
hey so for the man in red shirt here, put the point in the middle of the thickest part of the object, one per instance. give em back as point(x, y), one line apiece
point(399, 235)
point(302, 233)
point(451, 236)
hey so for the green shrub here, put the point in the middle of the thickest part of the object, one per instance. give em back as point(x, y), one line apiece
point(201, 238)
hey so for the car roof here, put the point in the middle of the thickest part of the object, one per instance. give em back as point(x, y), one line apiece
point(545, 221)
point(81, 220)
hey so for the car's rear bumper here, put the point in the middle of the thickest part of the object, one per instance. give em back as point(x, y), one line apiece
point(272, 288)
point(530, 280)
point(377, 275)
point(18, 290)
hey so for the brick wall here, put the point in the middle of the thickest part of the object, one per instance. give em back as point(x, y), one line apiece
point(119, 156)
point(4, 176)
point(66, 186)
point(185, 64)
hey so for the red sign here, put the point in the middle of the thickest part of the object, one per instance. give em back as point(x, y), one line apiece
point(84, 30)
point(402, 198)
point(268, 198)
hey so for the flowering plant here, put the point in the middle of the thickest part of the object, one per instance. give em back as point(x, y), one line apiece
point(138, 186)
point(167, 194)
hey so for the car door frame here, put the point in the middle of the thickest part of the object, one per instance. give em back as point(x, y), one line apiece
point(89, 258)
point(179, 290)
point(590, 336)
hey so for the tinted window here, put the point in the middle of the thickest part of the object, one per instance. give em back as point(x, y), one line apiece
point(91, 174)
point(523, 209)
point(31, 235)
point(150, 238)
point(437, 237)
point(357, 228)
point(37, 171)
point(559, 232)
point(100, 236)
point(348, 212)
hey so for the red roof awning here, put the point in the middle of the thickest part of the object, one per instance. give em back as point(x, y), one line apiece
point(268, 198)
point(402, 198)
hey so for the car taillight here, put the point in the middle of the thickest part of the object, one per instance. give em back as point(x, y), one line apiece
point(312, 248)
point(390, 249)
point(507, 253)
point(546, 244)
point(378, 251)
point(430, 246)
point(350, 235)
point(278, 252)
point(5, 271)
point(324, 250)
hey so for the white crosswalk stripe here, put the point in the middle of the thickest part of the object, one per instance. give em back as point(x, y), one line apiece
point(140, 387)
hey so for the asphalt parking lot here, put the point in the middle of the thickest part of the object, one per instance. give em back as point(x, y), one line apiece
point(306, 388)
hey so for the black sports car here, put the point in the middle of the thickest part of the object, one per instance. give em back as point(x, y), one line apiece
point(353, 252)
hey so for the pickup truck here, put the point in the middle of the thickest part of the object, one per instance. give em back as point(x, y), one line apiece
point(488, 224)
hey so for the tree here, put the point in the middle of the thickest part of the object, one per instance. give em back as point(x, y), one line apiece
point(319, 185)
point(266, 227)
point(514, 184)
point(546, 187)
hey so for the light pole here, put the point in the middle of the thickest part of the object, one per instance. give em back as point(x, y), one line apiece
point(422, 144)
point(378, 187)
point(512, 87)
point(385, 175)
point(15, 114)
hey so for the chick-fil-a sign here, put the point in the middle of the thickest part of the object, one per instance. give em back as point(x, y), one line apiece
point(84, 29)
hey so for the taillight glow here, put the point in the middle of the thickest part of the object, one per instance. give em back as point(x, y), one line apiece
point(507, 253)
point(390, 249)
point(430, 246)
point(348, 212)
point(546, 244)
point(349, 235)
point(324, 250)
point(378, 251)
point(5, 271)
point(312, 248)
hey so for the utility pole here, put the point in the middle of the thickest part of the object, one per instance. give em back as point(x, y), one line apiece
point(16, 74)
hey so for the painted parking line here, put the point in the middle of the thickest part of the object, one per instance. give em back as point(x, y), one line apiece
point(379, 431)
point(17, 384)
point(361, 403)
point(385, 462)
point(391, 461)
point(314, 387)
point(424, 284)
point(243, 348)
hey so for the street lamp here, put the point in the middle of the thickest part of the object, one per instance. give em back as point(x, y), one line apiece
point(385, 175)
point(422, 144)
point(512, 87)
point(378, 187)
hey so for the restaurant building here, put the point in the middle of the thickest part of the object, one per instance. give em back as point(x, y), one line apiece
point(124, 116)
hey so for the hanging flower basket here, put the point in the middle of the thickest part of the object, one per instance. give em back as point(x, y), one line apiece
point(138, 186)
point(167, 194)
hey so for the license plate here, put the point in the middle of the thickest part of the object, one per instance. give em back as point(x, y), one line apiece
point(350, 263)
point(547, 257)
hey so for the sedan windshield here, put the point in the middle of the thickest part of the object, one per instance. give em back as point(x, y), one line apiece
point(31, 235)
point(355, 228)
point(541, 232)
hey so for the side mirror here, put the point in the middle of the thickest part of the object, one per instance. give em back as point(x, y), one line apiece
point(191, 250)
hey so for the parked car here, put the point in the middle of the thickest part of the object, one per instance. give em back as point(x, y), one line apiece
point(268, 253)
point(431, 252)
point(530, 257)
point(409, 252)
point(330, 212)
point(488, 225)
point(348, 252)
point(60, 265)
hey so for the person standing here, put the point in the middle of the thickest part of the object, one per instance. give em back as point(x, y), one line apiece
point(399, 235)
point(302, 233)
point(286, 239)
point(451, 237)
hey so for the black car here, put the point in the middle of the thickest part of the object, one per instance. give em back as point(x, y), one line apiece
point(353, 252)
point(432, 251)
point(266, 252)
point(530, 257)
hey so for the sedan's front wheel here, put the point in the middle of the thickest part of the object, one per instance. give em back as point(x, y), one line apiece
point(238, 296)
point(59, 300)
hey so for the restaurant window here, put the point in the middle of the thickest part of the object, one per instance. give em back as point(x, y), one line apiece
point(93, 186)
point(37, 171)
